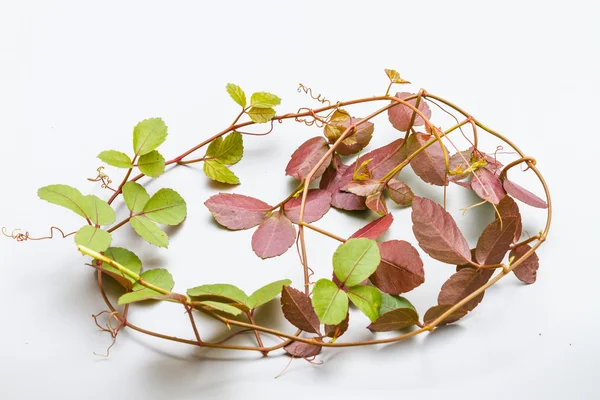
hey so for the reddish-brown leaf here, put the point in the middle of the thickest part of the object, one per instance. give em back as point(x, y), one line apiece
point(429, 164)
point(383, 159)
point(487, 185)
point(335, 331)
point(435, 312)
point(362, 188)
point(301, 349)
point(508, 208)
point(523, 195)
point(394, 320)
point(462, 284)
point(274, 236)
point(495, 240)
point(236, 211)
point(334, 179)
point(400, 269)
point(376, 202)
point(297, 308)
point(318, 202)
point(527, 270)
point(437, 233)
point(400, 192)
point(459, 164)
point(375, 228)
point(400, 114)
point(306, 157)
point(355, 142)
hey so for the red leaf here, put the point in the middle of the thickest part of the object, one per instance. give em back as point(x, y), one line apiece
point(400, 269)
point(508, 208)
point(335, 331)
point(376, 202)
point(527, 270)
point(301, 349)
point(394, 320)
point(523, 194)
point(429, 164)
point(462, 284)
point(457, 163)
point(494, 242)
point(374, 229)
point(297, 308)
point(400, 114)
point(400, 192)
point(383, 159)
point(487, 186)
point(236, 211)
point(317, 204)
point(437, 233)
point(434, 312)
point(358, 140)
point(306, 157)
point(362, 188)
point(274, 236)
point(334, 179)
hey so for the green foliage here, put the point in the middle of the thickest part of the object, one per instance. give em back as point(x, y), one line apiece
point(390, 303)
point(127, 259)
point(65, 196)
point(93, 238)
point(98, 211)
point(266, 293)
point(237, 94)
point(220, 173)
point(224, 292)
point(149, 230)
point(330, 303)
point(367, 299)
point(148, 135)
point(116, 159)
point(152, 164)
point(355, 260)
point(158, 277)
point(261, 115)
point(135, 196)
point(166, 207)
point(217, 306)
point(226, 151)
point(264, 100)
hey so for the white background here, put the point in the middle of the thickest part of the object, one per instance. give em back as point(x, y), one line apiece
point(75, 77)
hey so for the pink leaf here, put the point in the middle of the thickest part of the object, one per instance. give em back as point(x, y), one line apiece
point(358, 140)
point(437, 233)
point(494, 242)
point(400, 192)
point(374, 229)
point(306, 157)
point(384, 159)
point(527, 270)
point(401, 268)
point(508, 208)
point(362, 188)
point(523, 194)
point(376, 202)
point(457, 163)
point(400, 114)
point(301, 349)
point(429, 164)
point(318, 202)
point(236, 211)
point(487, 186)
point(334, 179)
point(274, 236)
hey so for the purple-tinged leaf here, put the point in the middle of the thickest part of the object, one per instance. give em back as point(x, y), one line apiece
point(465, 184)
point(362, 188)
point(376, 202)
point(494, 242)
point(487, 186)
point(459, 165)
point(235, 211)
point(435, 312)
point(429, 164)
point(274, 236)
point(508, 208)
point(356, 141)
point(383, 159)
point(400, 318)
point(375, 228)
point(527, 270)
point(437, 233)
point(462, 284)
point(523, 194)
point(400, 114)
point(400, 192)
point(337, 176)
point(298, 310)
point(400, 269)
point(335, 331)
point(306, 157)
point(318, 202)
point(301, 349)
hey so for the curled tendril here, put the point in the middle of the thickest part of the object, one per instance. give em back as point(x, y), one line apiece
point(320, 98)
point(23, 237)
point(102, 177)
point(114, 331)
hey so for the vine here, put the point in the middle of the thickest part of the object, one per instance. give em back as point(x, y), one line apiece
point(370, 275)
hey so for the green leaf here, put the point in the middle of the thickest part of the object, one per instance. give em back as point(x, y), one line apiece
point(65, 196)
point(390, 303)
point(367, 299)
point(222, 292)
point(227, 151)
point(150, 231)
point(216, 306)
point(266, 293)
point(116, 159)
point(135, 196)
point(148, 135)
point(127, 259)
point(158, 277)
point(166, 207)
point(355, 260)
point(261, 115)
point(237, 94)
point(98, 211)
point(152, 164)
point(330, 303)
point(93, 238)
point(220, 173)
point(264, 100)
